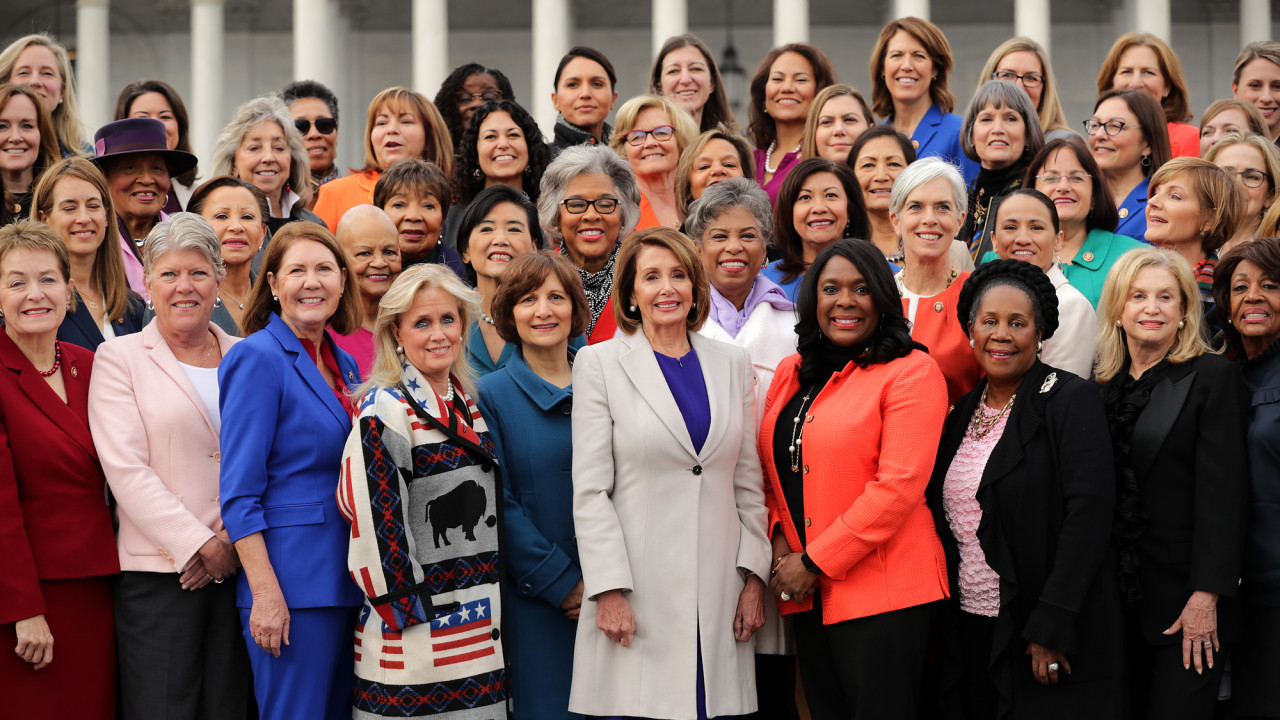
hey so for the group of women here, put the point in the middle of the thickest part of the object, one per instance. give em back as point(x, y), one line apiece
point(948, 416)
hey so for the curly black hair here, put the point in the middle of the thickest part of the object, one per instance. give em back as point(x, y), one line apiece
point(1024, 276)
point(468, 180)
point(447, 103)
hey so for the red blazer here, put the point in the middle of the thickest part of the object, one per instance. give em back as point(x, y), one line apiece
point(606, 325)
point(940, 331)
point(54, 520)
point(869, 443)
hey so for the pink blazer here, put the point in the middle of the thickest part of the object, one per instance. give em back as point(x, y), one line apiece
point(158, 449)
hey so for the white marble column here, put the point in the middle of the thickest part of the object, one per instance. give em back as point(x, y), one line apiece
point(1255, 21)
point(312, 59)
point(1031, 19)
point(93, 66)
point(670, 18)
point(552, 30)
point(790, 21)
point(430, 45)
point(208, 44)
point(909, 8)
point(1153, 16)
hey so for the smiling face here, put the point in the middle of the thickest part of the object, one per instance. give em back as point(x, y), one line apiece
point(430, 332)
point(1175, 216)
point(155, 106)
point(1024, 231)
point(1072, 194)
point(237, 218)
point(309, 285)
point(139, 184)
point(1122, 152)
point(263, 160)
point(929, 220)
point(584, 95)
point(847, 313)
point(908, 68)
point(418, 219)
point(183, 289)
point(398, 133)
point(1255, 307)
point(732, 250)
point(37, 68)
point(1152, 310)
point(653, 157)
point(502, 236)
point(1139, 69)
point(790, 88)
point(820, 213)
point(840, 121)
point(589, 238)
point(321, 149)
point(1243, 158)
point(878, 165)
point(1022, 63)
point(686, 79)
point(663, 290)
point(544, 317)
point(501, 149)
point(1228, 121)
point(999, 137)
point(34, 293)
point(1004, 334)
point(372, 246)
point(1260, 84)
point(477, 84)
point(719, 160)
point(19, 135)
point(78, 215)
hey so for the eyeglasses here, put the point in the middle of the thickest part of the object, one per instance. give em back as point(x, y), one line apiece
point(1112, 127)
point(604, 205)
point(1250, 178)
point(488, 96)
point(662, 133)
point(1030, 80)
point(1072, 179)
point(324, 126)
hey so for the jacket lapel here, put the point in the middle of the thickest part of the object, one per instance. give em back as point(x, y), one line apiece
point(306, 368)
point(162, 355)
point(1024, 419)
point(927, 128)
point(63, 414)
point(643, 371)
point(83, 322)
point(1157, 418)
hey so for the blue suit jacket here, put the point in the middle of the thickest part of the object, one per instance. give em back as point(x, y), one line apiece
point(282, 437)
point(938, 135)
point(78, 327)
point(1133, 212)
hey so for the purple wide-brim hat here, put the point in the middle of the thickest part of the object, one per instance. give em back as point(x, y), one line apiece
point(138, 135)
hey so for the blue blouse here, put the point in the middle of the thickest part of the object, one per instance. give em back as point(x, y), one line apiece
point(689, 388)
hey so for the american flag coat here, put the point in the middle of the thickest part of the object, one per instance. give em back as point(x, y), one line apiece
point(421, 490)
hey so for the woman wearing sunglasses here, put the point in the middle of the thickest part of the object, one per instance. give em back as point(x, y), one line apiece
point(314, 108)
point(650, 134)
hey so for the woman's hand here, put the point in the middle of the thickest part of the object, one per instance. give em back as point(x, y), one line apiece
point(614, 617)
point(790, 577)
point(1041, 660)
point(750, 615)
point(780, 548)
point(219, 558)
point(194, 576)
point(572, 604)
point(1199, 625)
point(35, 642)
point(269, 619)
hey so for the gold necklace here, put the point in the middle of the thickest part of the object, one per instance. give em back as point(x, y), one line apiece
point(797, 432)
point(902, 277)
point(981, 425)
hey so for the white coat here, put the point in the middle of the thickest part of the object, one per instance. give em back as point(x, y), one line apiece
point(1072, 346)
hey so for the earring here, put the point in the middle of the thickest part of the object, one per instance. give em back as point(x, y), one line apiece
point(1180, 324)
point(1117, 323)
point(276, 298)
point(1204, 234)
point(632, 308)
point(399, 350)
point(217, 302)
point(970, 342)
point(476, 173)
point(1146, 161)
point(151, 305)
point(1039, 347)
point(693, 306)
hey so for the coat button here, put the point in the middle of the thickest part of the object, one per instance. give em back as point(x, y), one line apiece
point(526, 589)
point(697, 469)
point(808, 522)
point(566, 407)
point(217, 456)
point(809, 419)
point(806, 469)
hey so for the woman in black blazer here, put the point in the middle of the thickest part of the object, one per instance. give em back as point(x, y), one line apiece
point(1022, 495)
point(1177, 420)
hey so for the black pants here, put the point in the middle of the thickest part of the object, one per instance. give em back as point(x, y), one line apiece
point(1160, 688)
point(862, 669)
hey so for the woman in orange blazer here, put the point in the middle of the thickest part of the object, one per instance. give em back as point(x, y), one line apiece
point(845, 441)
point(57, 551)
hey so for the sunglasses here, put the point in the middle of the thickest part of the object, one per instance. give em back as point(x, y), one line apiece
point(324, 126)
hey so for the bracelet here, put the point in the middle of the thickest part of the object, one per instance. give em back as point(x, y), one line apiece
point(809, 564)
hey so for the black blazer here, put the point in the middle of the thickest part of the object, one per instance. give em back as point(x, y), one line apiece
point(1189, 456)
point(78, 327)
point(1047, 496)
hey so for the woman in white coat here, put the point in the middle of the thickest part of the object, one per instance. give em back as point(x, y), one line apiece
point(668, 501)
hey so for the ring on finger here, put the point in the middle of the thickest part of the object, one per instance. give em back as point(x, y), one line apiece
point(1053, 667)
point(786, 596)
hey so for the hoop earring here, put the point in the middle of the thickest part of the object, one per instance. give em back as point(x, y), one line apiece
point(1146, 161)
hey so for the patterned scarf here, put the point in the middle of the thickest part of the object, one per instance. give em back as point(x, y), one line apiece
point(598, 285)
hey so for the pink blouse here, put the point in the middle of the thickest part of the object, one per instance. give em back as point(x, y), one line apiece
point(979, 584)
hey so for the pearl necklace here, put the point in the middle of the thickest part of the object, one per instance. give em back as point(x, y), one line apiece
point(448, 394)
point(485, 317)
point(797, 432)
point(57, 361)
point(772, 146)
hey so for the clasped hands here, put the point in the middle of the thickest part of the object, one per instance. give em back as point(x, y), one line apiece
point(789, 578)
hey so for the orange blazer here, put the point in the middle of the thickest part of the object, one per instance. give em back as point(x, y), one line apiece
point(869, 443)
point(936, 327)
point(341, 194)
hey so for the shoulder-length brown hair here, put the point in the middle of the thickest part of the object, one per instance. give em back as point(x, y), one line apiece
point(438, 147)
point(746, 160)
point(525, 275)
point(138, 88)
point(1102, 209)
point(785, 236)
point(717, 109)
point(761, 128)
point(1155, 129)
point(624, 277)
point(809, 143)
point(934, 42)
point(1221, 199)
point(48, 153)
point(262, 304)
point(1176, 106)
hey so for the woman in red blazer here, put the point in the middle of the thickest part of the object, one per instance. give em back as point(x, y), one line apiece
point(57, 551)
point(846, 441)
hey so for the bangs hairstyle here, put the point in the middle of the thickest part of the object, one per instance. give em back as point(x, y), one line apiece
point(761, 127)
point(1175, 106)
point(479, 210)
point(469, 180)
point(726, 195)
point(138, 88)
point(414, 176)
point(879, 131)
point(69, 134)
point(624, 276)
point(1050, 111)
point(1155, 129)
point(438, 143)
point(1221, 199)
point(48, 153)
point(386, 371)
point(625, 121)
point(1252, 116)
point(183, 231)
point(1270, 159)
point(108, 266)
point(526, 275)
point(261, 305)
point(809, 141)
point(1264, 253)
point(716, 110)
point(1000, 94)
point(268, 108)
point(934, 42)
point(38, 237)
point(588, 160)
point(447, 103)
point(923, 172)
point(746, 162)
point(1102, 210)
point(1113, 351)
point(201, 196)
point(786, 238)
point(891, 338)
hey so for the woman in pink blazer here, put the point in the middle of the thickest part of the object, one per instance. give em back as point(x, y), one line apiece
point(153, 408)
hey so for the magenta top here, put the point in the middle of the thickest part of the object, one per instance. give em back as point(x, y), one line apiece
point(979, 584)
point(360, 345)
point(774, 186)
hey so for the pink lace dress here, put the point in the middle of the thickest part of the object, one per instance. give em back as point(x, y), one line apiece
point(979, 584)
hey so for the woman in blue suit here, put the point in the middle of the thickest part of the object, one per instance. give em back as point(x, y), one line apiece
point(527, 406)
point(286, 415)
point(909, 69)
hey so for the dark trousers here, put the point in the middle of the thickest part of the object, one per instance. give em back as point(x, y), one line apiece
point(862, 669)
point(181, 655)
point(1160, 688)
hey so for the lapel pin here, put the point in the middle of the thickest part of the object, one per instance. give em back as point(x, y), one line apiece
point(1049, 383)
point(74, 372)
point(1124, 213)
point(1088, 257)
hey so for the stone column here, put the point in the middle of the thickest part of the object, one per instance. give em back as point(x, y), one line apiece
point(93, 66)
point(552, 30)
point(1255, 21)
point(670, 17)
point(790, 21)
point(909, 8)
point(1031, 19)
point(430, 45)
point(208, 44)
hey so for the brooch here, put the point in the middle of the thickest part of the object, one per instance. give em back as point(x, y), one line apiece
point(1049, 383)
point(351, 377)
point(1124, 213)
point(74, 373)
point(937, 307)
point(1088, 257)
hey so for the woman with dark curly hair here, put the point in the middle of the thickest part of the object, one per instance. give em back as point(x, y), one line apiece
point(782, 90)
point(465, 90)
point(1022, 495)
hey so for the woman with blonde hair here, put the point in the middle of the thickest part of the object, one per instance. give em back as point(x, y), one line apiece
point(1256, 80)
point(42, 63)
point(1142, 61)
point(1024, 62)
point(718, 154)
point(1253, 161)
point(650, 133)
point(837, 117)
point(1228, 116)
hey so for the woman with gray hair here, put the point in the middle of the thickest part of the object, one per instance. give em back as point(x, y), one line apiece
point(1002, 132)
point(590, 203)
point(153, 410)
point(262, 146)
